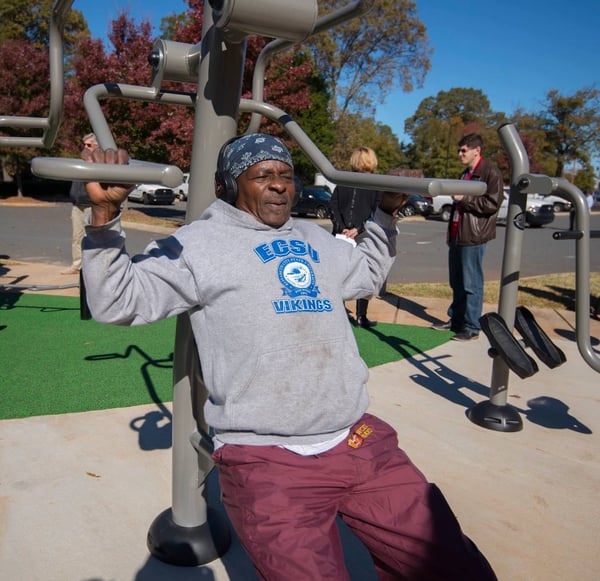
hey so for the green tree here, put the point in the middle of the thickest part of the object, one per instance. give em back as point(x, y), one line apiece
point(534, 140)
point(363, 60)
point(30, 20)
point(585, 179)
point(572, 127)
point(365, 131)
point(367, 57)
point(440, 121)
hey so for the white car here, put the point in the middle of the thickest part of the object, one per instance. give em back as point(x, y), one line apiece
point(152, 194)
point(442, 207)
point(538, 211)
point(182, 189)
point(559, 204)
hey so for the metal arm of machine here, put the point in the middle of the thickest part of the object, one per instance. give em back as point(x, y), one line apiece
point(422, 186)
point(542, 184)
point(50, 124)
point(339, 16)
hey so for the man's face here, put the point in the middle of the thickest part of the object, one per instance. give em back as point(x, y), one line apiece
point(266, 190)
point(468, 156)
point(89, 145)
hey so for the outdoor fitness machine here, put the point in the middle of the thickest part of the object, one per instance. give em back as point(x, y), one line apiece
point(507, 352)
point(189, 533)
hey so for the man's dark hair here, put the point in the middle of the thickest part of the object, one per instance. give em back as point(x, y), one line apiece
point(472, 140)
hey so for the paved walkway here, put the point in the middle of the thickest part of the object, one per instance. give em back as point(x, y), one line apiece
point(78, 491)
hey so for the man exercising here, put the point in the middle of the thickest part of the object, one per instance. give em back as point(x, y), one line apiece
point(287, 389)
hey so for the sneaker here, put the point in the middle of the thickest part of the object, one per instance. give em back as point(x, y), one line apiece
point(70, 270)
point(365, 323)
point(447, 326)
point(466, 336)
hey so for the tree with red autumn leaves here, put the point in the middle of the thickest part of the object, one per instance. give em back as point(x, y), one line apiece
point(24, 78)
point(163, 133)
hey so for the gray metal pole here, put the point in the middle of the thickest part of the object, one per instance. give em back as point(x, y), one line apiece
point(496, 414)
point(51, 124)
point(182, 535)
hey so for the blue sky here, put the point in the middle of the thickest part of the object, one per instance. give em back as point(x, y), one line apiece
point(514, 51)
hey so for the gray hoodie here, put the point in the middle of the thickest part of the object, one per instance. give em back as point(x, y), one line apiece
point(277, 352)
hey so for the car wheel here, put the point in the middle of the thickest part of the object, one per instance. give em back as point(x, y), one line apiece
point(446, 213)
point(408, 210)
point(321, 213)
point(145, 199)
point(558, 207)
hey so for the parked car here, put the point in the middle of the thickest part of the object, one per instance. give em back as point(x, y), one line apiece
point(417, 206)
point(181, 191)
point(152, 194)
point(313, 201)
point(559, 204)
point(442, 207)
point(538, 212)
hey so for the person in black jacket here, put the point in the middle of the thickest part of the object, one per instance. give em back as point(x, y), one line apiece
point(472, 224)
point(351, 208)
point(81, 208)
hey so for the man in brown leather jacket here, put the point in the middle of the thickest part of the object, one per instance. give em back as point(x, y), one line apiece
point(472, 224)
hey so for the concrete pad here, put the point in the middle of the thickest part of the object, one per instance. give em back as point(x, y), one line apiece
point(43, 278)
point(79, 491)
point(528, 499)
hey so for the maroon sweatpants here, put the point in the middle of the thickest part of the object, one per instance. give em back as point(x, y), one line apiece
point(283, 507)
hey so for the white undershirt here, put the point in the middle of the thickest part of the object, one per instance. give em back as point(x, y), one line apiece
point(303, 449)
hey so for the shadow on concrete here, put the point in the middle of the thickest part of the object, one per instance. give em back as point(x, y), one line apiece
point(552, 413)
point(409, 306)
point(155, 427)
point(440, 379)
point(572, 336)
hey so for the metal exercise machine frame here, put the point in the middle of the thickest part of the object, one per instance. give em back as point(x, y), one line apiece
point(188, 533)
point(496, 413)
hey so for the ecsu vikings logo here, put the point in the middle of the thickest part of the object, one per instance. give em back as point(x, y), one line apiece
point(297, 277)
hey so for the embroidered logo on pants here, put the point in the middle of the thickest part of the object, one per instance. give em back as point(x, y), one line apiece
point(356, 438)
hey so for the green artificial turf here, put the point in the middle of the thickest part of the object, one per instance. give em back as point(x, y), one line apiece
point(55, 363)
point(387, 342)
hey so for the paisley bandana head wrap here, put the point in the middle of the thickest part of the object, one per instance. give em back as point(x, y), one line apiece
point(247, 150)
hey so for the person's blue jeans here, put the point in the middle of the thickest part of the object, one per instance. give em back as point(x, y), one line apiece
point(465, 267)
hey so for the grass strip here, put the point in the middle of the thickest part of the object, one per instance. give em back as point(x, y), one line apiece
point(55, 363)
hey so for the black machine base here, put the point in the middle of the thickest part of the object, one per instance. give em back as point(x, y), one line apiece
point(503, 418)
point(188, 546)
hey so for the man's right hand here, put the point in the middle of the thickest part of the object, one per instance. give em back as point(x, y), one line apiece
point(106, 198)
